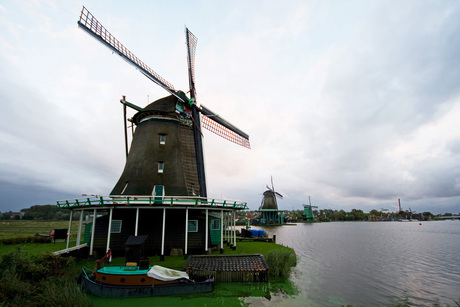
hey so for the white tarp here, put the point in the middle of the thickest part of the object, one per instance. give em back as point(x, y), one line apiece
point(165, 274)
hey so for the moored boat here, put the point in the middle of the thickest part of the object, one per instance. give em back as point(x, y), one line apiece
point(131, 281)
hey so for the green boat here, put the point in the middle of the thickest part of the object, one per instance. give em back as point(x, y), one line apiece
point(131, 281)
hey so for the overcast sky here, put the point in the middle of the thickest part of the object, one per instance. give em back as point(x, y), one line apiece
point(354, 103)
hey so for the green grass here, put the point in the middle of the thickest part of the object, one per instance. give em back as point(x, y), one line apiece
point(24, 228)
point(52, 295)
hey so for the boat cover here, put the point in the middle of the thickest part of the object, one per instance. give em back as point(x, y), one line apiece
point(165, 274)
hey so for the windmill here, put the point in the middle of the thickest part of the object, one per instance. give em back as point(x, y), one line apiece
point(268, 210)
point(269, 198)
point(176, 120)
point(308, 211)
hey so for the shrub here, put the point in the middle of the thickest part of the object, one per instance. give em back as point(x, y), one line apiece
point(280, 262)
point(61, 292)
point(38, 280)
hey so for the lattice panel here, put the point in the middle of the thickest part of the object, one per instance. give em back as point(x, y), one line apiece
point(191, 45)
point(93, 25)
point(224, 132)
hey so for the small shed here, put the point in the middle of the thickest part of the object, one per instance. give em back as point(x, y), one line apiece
point(135, 251)
point(235, 268)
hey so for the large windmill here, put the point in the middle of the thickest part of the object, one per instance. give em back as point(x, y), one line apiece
point(152, 168)
point(164, 172)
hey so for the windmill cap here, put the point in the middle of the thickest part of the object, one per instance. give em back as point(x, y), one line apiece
point(163, 105)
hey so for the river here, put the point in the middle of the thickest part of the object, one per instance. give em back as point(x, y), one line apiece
point(372, 263)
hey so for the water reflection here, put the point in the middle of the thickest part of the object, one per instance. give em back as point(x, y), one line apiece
point(368, 264)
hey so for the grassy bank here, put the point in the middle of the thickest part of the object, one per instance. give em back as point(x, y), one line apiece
point(31, 276)
point(24, 228)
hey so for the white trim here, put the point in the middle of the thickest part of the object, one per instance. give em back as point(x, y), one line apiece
point(186, 231)
point(137, 222)
point(163, 233)
point(93, 229)
point(108, 230)
point(79, 227)
point(206, 231)
point(222, 229)
point(68, 232)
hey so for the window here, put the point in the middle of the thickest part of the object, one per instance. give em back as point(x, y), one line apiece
point(116, 226)
point(161, 166)
point(215, 224)
point(162, 139)
point(193, 226)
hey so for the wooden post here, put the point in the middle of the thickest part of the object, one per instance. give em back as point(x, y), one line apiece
point(206, 230)
point(79, 227)
point(137, 221)
point(234, 231)
point(108, 231)
point(221, 231)
point(162, 256)
point(186, 232)
point(93, 229)
point(68, 232)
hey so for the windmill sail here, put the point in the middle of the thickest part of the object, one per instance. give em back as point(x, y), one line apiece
point(92, 26)
point(222, 128)
point(191, 47)
point(211, 121)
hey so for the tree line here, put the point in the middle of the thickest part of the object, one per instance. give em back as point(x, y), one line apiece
point(38, 212)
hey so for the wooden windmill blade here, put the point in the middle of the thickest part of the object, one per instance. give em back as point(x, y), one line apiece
point(93, 27)
point(222, 128)
point(191, 41)
point(211, 121)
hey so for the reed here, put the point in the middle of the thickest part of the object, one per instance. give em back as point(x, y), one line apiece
point(38, 280)
point(280, 262)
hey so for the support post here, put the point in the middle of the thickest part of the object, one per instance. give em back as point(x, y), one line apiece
point(234, 231)
point(79, 227)
point(70, 225)
point(206, 230)
point(162, 256)
point(137, 222)
point(221, 231)
point(186, 233)
point(93, 229)
point(108, 231)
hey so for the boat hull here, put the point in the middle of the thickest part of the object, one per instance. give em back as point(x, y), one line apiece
point(181, 287)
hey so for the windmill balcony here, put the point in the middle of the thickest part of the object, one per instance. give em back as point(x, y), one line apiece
point(143, 201)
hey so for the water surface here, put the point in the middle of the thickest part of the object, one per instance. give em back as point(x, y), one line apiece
point(372, 263)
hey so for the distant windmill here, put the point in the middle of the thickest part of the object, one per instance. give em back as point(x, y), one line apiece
point(308, 211)
point(269, 198)
point(166, 154)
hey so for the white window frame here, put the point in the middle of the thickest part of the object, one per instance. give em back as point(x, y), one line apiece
point(116, 226)
point(213, 227)
point(162, 139)
point(193, 228)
